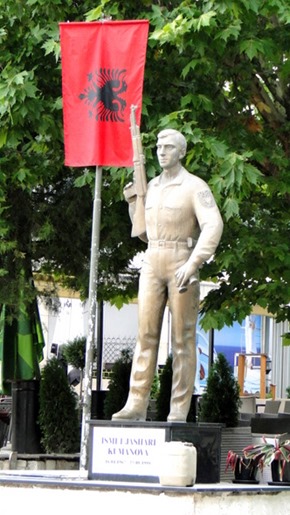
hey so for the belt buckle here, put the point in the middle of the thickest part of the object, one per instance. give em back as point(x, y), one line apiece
point(161, 243)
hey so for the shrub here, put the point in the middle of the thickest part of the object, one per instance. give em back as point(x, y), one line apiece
point(58, 411)
point(163, 397)
point(74, 352)
point(221, 401)
point(155, 387)
point(119, 384)
point(164, 394)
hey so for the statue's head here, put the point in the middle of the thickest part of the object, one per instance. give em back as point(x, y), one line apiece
point(180, 140)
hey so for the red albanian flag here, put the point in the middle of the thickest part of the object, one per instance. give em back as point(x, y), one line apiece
point(102, 76)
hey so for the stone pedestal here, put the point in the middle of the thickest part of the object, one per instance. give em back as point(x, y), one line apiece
point(128, 451)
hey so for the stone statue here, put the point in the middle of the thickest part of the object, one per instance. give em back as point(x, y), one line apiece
point(183, 228)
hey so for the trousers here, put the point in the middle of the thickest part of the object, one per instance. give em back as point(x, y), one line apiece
point(157, 286)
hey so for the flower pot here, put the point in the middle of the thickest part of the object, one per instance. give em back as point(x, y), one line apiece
point(245, 471)
point(280, 474)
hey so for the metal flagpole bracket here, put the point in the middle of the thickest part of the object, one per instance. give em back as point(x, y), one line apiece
point(105, 17)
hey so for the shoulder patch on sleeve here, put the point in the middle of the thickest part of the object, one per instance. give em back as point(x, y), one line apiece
point(206, 198)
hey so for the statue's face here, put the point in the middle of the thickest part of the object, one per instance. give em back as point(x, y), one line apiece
point(168, 152)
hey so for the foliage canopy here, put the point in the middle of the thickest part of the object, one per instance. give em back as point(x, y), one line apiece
point(218, 71)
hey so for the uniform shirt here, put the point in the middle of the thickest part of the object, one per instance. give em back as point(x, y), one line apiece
point(183, 210)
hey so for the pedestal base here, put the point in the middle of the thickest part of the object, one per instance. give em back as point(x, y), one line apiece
point(128, 451)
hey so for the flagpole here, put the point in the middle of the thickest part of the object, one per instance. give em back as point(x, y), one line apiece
point(93, 321)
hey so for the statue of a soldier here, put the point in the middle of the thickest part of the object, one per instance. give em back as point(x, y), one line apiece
point(183, 228)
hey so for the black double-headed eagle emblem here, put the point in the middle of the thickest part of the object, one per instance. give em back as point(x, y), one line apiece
point(104, 95)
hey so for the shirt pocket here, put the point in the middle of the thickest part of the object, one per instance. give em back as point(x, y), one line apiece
point(172, 218)
point(149, 213)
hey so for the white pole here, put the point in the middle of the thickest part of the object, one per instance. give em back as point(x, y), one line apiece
point(95, 240)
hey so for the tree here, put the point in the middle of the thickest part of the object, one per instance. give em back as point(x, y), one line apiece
point(219, 71)
point(40, 205)
point(231, 70)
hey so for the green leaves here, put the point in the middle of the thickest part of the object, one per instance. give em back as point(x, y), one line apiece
point(231, 31)
point(16, 86)
point(231, 208)
point(52, 47)
point(204, 20)
point(3, 137)
point(252, 47)
point(87, 178)
point(286, 339)
point(182, 25)
point(237, 172)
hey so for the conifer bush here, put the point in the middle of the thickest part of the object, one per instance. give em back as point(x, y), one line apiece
point(118, 390)
point(220, 402)
point(58, 411)
point(163, 397)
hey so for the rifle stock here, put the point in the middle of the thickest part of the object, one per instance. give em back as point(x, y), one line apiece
point(140, 181)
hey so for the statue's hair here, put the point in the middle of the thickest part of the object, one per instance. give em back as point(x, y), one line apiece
point(180, 139)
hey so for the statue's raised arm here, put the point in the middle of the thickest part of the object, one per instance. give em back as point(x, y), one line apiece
point(135, 192)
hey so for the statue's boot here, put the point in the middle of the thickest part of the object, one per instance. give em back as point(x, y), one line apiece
point(142, 373)
point(180, 405)
point(134, 409)
point(177, 414)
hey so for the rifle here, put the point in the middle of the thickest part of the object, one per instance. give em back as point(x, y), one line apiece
point(140, 182)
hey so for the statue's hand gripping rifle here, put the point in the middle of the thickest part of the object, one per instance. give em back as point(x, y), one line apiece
point(137, 191)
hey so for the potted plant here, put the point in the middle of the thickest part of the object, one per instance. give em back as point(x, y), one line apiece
point(275, 454)
point(244, 469)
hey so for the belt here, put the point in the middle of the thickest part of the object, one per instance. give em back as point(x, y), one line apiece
point(163, 244)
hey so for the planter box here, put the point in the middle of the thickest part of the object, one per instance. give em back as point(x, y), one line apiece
point(276, 467)
point(245, 471)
